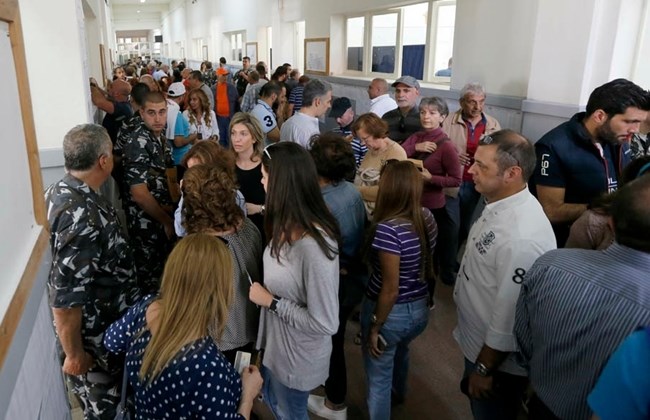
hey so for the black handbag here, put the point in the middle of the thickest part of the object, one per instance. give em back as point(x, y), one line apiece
point(122, 410)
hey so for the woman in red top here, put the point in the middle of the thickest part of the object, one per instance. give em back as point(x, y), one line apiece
point(440, 169)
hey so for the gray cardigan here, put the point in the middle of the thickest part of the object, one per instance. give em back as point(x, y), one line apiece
point(297, 340)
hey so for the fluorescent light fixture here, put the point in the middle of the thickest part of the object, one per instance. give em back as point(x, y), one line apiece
point(142, 1)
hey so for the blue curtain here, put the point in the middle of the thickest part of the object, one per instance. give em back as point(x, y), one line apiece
point(413, 61)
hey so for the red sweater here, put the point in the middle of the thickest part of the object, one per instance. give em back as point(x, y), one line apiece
point(443, 165)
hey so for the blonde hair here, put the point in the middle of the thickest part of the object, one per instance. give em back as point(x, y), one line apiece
point(254, 127)
point(205, 107)
point(195, 294)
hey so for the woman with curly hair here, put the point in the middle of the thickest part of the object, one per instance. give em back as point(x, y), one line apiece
point(203, 121)
point(210, 208)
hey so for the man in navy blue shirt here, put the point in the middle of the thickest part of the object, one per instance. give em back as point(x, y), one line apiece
point(583, 157)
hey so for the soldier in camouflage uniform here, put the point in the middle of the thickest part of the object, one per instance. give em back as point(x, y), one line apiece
point(92, 278)
point(147, 202)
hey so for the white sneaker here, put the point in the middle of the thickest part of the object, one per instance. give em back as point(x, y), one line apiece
point(316, 405)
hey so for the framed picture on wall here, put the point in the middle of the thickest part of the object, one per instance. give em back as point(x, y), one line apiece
point(251, 51)
point(317, 56)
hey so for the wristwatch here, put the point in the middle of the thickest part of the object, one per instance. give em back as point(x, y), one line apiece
point(374, 320)
point(273, 307)
point(481, 369)
point(262, 209)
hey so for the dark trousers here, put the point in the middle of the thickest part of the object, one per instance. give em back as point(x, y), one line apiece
point(447, 242)
point(537, 410)
point(508, 390)
point(469, 198)
point(224, 130)
point(351, 288)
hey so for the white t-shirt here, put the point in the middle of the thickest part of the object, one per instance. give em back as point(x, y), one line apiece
point(199, 125)
point(502, 245)
point(264, 114)
point(382, 104)
point(299, 129)
point(172, 112)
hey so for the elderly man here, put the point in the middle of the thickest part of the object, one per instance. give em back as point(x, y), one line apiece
point(343, 112)
point(115, 104)
point(577, 306)
point(380, 100)
point(92, 278)
point(149, 183)
point(465, 128)
point(583, 157)
point(317, 99)
point(405, 119)
point(503, 244)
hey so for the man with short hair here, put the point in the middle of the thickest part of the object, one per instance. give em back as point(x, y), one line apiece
point(405, 119)
point(503, 244)
point(252, 94)
point(317, 99)
point(115, 104)
point(148, 202)
point(343, 114)
point(241, 77)
point(163, 71)
point(92, 277)
point(380, 100)
point(226, 67)
point(582, 158)
point(295, 97)
point(196, 82)
point(465, 128)
point(270, 95)
point(178, 134)
point(576, 306)
point(226, 104)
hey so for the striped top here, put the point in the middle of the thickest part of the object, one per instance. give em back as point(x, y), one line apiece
point(358, 148)
point(397, 237)
point(575, 308)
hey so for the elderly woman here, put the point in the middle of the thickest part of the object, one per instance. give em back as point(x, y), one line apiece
point(440, 169)
point(373, 133)
point(210, 208)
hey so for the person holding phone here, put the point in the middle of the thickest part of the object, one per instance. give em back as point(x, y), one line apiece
point(301, 280)
point(201, 118)
point(440, 169)
point(395, 308)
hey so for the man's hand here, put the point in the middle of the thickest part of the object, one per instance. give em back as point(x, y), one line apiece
point(169, 230)
point(480, 387)
point(78, 366)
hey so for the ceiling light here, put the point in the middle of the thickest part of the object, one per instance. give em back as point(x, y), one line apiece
point(138, 11)
point(142, 1)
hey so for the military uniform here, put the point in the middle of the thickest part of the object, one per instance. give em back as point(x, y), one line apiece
point(92, 268)
point(145, 160)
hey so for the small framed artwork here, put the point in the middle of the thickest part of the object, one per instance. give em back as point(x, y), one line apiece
point(251, 51)
point(317, 56)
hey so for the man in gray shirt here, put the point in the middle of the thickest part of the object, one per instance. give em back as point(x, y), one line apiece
point(196, 82)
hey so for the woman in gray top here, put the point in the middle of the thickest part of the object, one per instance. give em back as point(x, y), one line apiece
point(301, 279)
point(210, 207)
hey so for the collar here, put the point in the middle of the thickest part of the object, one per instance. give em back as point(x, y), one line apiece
point(264, 104)
point(84, 189)
point(628, 256)
point(508, 202)
point(379, 98)
point(466, 122)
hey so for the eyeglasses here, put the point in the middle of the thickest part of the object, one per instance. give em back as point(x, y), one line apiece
point(487, 139)
point(266, 151)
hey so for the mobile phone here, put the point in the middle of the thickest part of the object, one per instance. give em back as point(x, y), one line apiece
point(199, 136)
point(381, 343)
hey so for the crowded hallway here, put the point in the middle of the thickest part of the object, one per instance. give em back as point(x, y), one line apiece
point(360, 218)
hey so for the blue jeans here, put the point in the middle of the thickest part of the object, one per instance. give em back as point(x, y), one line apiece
point(508, 392)
point(285, 403)
point(224, 131)
point(390, 370)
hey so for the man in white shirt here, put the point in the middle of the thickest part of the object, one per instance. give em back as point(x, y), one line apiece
point(511, 233)
point(270, 94)
point(380, 100)
point(316, 99)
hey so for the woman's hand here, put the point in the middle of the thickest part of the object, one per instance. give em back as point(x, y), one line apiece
point(259, 295)
point(253, 209)
point(464, 159)
point(251, 381)
point(373, 343)
point(426, 147)
point(426, 175)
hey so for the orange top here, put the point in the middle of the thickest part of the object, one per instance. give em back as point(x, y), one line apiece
point(221, 101)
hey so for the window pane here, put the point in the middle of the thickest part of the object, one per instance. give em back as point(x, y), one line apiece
point(355, 33)
point(445, 36)
point(414, 39)
point(384, 37)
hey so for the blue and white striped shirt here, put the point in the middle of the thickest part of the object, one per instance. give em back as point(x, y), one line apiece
point(575, 308)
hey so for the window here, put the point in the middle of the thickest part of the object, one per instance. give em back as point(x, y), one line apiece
point(414, 40)
point(236, 41)
point(384, 39)
point(355, 32)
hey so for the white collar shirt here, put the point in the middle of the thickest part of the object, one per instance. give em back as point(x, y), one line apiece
point(382, 104)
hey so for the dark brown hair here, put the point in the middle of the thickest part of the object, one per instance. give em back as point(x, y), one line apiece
point(209, 152)
point(372, 125)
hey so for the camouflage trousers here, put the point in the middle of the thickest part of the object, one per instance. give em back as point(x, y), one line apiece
point(150, 251)
point(98, 393)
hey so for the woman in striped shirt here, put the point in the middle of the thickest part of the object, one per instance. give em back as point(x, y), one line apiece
point(395, 310)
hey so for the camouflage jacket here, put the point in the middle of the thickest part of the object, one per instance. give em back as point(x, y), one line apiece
point(145, 159)
point(92, 264)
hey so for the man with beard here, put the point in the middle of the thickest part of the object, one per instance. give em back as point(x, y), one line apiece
point(582, 158)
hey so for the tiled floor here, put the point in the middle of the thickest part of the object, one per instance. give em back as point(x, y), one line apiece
point(436, 366)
